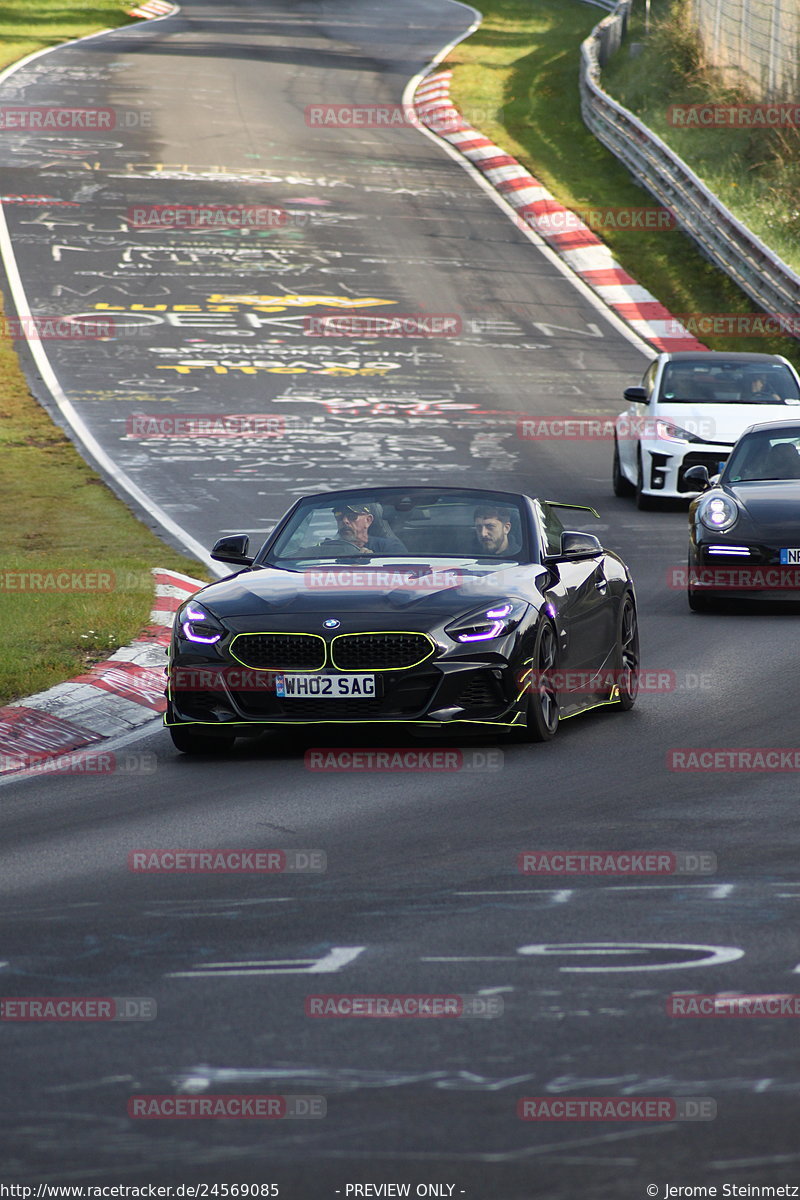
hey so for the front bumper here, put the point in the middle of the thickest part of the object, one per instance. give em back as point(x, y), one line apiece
point(755, 575)
point(664, 466)
point(439, 693)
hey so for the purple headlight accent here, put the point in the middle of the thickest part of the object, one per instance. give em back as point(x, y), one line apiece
point(482, 637)
point(550, 610)
point(191, 615)
point(503, 611)
point(497, 615)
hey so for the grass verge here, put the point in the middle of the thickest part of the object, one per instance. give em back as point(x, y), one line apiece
point(755, 172)
point(522, 64)
point(57, 515)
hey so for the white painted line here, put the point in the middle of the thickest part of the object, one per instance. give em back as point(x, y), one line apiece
point(336, 958)
point(522, 197)
point(89, 443)
point(591, 258)
point(470, 958)
point(479, 153)
point(503, 174)
point(173, 591)
point(550, 255)
point(625, 293)
point(714, 955)
point(305, 963)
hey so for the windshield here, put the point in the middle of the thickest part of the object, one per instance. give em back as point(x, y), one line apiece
point(728, 382)
point(391, 523)
point(773, 455)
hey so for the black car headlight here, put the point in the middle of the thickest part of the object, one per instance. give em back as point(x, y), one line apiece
point(490, 621)
point(196, 624)
point(718, 513)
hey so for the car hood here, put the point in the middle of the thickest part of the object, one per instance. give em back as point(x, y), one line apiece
point(723, 424)
point(389, 586)
point(773, 507)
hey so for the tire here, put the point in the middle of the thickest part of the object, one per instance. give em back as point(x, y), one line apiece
point(192, 741)
point(542, 712)
point(627, 654)
point(622, 486)
point(643, 501)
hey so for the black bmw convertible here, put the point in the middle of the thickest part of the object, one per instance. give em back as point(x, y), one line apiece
point(428, 607)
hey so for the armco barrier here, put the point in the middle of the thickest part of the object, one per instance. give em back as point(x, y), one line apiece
point(721, 238)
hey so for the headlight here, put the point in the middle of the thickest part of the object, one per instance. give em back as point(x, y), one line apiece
point(198, 625)
point(666, 431)
point(486, 623)
point(718, 513)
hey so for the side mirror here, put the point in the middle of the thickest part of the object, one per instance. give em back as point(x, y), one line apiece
point(233, 549)
point(699, 476)
point(579, 545)
point(636, 395)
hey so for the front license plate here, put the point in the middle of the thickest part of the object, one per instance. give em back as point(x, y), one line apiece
point(326, 687)
point(791, 558)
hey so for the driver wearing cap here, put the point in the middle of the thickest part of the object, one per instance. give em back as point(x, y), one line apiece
point(354, 522)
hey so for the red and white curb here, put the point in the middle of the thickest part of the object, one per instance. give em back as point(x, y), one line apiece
point(578, 245)
point(151, 9)
point(114, 697)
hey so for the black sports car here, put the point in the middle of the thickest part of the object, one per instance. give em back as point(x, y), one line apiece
point(745, 527)
point(430, 607)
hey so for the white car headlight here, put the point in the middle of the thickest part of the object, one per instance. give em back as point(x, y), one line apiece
point(667, 431)
point(718, 513)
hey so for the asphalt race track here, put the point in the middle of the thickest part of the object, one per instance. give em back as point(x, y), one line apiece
point(422, 892)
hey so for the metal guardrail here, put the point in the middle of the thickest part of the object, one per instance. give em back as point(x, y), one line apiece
point(758, 271)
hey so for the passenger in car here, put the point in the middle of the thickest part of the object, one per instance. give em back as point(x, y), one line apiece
point(492, 529)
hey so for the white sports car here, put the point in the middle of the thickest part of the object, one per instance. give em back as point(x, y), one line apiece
point(689, 410)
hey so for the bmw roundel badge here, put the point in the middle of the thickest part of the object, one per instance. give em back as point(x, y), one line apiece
point(331, 623)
